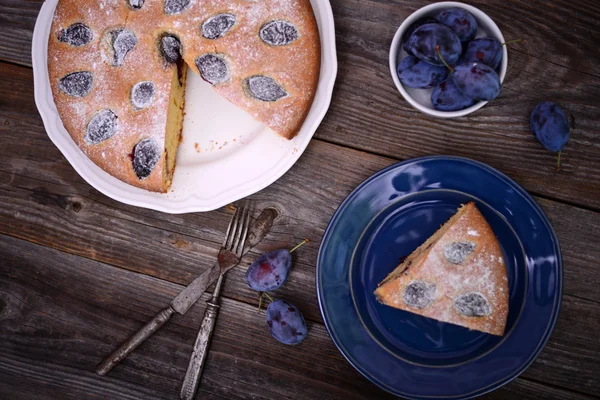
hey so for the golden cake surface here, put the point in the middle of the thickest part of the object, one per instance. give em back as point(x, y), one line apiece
point(117, 74)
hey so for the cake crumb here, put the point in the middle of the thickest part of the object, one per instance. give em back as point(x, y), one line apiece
point(472, 232)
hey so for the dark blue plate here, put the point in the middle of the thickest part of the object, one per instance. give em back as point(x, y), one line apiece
point(386, 218)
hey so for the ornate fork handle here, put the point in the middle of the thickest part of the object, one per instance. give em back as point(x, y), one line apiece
point(200, 351)
point(230, 255)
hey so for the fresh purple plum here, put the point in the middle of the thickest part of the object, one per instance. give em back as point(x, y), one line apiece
point(286, 322)
point(269, 271)
point(550, 125)
point(485, 50)
point(406, 63)
point(421, 75)
point(409, 31)
point(460, 21)
point(426, 38)
point(477, 81)
point(447, 97)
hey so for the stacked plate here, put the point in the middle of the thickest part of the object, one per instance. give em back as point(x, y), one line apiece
point(385, 219)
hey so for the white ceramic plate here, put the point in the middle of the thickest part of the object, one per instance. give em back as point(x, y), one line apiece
point(225, 154)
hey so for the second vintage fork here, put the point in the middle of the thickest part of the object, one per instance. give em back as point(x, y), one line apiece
point(229, 255)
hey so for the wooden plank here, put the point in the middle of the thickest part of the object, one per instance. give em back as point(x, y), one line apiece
point(42, 207)
point(580, 256)
point(369, 114)
point(573, 347)
point(61, 313)
point(526, 389)
point(46, 200)
point(562, 32)
point(39, 206)
point(38, 183)
point(573, 46)
point(48, 203)
point(17, 20)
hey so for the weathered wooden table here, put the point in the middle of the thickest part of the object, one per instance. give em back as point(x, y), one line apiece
point(79, 272)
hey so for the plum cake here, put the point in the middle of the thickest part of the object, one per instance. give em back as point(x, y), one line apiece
point(457, 276)
point(118, 71)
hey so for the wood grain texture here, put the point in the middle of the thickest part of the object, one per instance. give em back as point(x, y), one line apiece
point(61, 313)
point(369, 114)
point(17, 20)
point(48, 207)
point(46, 202)
point(50, 201)
point(66, 301)
point(574, 46)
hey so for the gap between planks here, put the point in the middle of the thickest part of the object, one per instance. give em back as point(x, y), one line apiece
point(394, 159)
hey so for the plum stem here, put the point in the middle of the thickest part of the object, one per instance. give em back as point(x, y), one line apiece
point(300, 244)
point(558, 162)
point(437, 49)
point(512, 41)
point(260, 299)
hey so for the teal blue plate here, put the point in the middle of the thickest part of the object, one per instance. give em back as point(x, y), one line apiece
point(386, 218)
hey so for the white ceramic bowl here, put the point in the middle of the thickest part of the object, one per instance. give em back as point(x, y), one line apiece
point(421, 98)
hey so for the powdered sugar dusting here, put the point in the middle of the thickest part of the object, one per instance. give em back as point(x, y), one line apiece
point(176, 6)
point(145, 156)
point(218, 25)
point(123, 41)
point(76, 35)
point(240, 47)
point(265, 88)
point(278, 33)
point(472, 304)
point(473, 290)
point(101, 127)
point(213, 68)
point(457, 252)
point(77, 84)
point(142, 94)
point(419, 294)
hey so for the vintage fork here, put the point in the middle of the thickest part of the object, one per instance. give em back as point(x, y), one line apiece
point(229, 255)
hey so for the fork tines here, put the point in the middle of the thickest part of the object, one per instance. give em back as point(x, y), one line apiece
point(237, 231)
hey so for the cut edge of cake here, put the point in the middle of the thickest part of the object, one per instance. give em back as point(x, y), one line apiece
point(174, 126)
